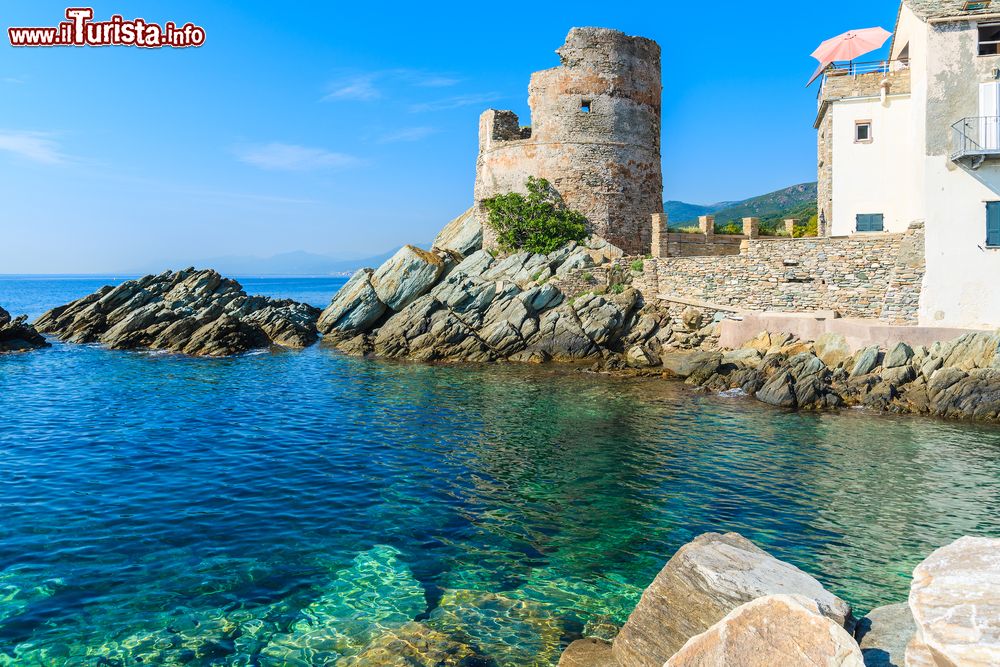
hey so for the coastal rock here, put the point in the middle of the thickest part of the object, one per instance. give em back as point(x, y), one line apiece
point(406, 276)
point(866, 361)
point(463, 235)
point(769, 631)
point(705, 580)
point(899, 355)
point(589, 652)
point(684, 365)
point(778, 391)
point(356, 307)
point(955, 601)
point(16, 335)
point(832, 349)
point(883, 634)
point(191, 312)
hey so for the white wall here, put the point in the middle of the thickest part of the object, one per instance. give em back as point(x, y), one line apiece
point(962, 282)
point(876, 177)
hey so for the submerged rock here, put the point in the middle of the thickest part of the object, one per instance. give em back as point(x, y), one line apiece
point(955, 601)
point(16, 335)
point(705, 580)
point(191, 312)
point(508, 632)
point(771, 631)
point(413, 645)
point(377, 594)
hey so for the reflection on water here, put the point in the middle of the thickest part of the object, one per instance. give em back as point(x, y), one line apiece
point(297, 508)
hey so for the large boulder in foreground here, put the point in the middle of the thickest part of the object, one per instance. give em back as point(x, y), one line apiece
point(190, 312)
point(463, 235)
point(16, 335)
point(955, 600)
point(705, 580)
point(769, 632)
point(884, 633)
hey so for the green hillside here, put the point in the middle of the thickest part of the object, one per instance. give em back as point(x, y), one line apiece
point(797, 201)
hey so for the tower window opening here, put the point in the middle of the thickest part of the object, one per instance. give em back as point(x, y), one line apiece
point(585, 106)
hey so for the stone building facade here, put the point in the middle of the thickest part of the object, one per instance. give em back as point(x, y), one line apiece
point(594, 135)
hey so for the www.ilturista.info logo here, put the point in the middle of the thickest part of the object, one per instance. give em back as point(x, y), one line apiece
point(81, 30)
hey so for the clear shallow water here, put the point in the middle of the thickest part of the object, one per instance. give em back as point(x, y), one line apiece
point(285, 507)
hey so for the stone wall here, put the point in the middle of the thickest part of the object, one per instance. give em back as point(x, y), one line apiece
point(595, 136)
point(871, 276)
point(694, 245)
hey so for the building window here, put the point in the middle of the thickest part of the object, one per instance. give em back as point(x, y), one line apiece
point(989, 39)
point(863, 132)
point(993, 224)
point(585, 106)
point(871, 222)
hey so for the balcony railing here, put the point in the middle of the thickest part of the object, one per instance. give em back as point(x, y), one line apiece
point(854, 69)
point(976, 139)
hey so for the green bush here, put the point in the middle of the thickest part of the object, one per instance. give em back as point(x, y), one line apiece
point(539, 222)
point(638, 266)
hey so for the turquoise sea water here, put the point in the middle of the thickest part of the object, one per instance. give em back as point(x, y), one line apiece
point(292, 507)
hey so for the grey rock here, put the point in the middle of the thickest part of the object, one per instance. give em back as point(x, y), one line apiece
point(191, 312)
point(639, 357)
point(705, 580)
point(778, 391)
point(406, 276)
point(899, 375)
point(899, 355)
point(463, 235)
point(746, 356)
point(866, 362)
point(355, 307)
point(883, 634)
point(686, 364)
point(16, 335)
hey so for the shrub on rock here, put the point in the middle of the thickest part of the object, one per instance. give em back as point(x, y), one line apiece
point(539, 222)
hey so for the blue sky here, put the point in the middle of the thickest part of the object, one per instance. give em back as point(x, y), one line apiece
point(349, 128)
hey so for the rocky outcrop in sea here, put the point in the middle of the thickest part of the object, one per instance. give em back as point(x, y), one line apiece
point(190, 312)
point(457, 302)
point(16, 335)
point(723, 601)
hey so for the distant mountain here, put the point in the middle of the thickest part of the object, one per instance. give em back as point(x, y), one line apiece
point(684, 212)
point(798, 201)
point(297, 263)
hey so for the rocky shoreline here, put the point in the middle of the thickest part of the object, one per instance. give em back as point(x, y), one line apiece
point(721, 600)
point(191, 312)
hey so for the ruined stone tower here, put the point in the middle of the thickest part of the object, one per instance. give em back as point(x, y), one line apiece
point(595, 135)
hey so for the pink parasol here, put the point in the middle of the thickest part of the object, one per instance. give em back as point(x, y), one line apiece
point(848, 46)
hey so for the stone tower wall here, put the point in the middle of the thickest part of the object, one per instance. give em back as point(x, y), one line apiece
point(604, 162)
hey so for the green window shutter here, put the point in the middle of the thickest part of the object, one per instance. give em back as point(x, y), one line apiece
point(870, 222)
point(993, 223)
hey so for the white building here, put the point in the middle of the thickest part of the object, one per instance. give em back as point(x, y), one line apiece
point(918, 139)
